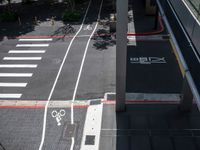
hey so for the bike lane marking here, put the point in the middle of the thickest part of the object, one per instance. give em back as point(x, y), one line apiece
point(79, 76)
point(55, 82)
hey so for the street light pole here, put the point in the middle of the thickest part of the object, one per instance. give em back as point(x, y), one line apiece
point(121, 53)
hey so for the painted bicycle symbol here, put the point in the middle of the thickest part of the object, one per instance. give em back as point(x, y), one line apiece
point(58, 115)
point(88, 28)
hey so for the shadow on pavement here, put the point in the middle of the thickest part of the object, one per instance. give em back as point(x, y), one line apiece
point(37, 19)
point(157, 127)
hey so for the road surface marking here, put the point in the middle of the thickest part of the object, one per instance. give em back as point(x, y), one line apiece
point(18, 66)
point(58, 115)
point(148, 60)
point(27, 51)
point(56, 79)
point(92, 127)
point(98, 109)
point(10, 95)
point(32, 45)
point(16, 74)
point(88, 27)
point(22, 58)
point(2, 84)
point(35, 39)
point(82, 63)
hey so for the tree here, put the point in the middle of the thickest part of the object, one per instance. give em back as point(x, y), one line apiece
point(8, 3)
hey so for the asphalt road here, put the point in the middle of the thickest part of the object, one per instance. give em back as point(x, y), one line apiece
point(96, 79)
point(45, 76)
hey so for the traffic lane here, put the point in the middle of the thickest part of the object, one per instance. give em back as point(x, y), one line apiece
point(21, 129)
point(66, 83)
point(98, 75)
point(152, 68)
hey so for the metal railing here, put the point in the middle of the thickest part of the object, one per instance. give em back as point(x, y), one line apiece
point(194, 5)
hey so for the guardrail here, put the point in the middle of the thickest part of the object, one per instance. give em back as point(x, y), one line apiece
point(187, 55)
point(195, 6)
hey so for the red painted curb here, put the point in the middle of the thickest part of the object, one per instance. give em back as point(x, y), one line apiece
point(162, 28)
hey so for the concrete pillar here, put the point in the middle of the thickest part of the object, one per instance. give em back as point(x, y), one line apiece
point(121, 52)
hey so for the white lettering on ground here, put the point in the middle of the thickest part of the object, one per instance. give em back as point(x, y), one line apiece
point(147, 60)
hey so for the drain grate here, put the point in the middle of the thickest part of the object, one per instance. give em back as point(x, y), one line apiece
point(89, 140)
point(70, 131)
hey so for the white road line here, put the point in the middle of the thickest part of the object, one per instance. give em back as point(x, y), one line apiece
point(18, 66)
point(36, 39)
point(2, 84)
point(16, 74)
point(55, 82)
point(97, 130)
point(22, 58)
point(10, 95)
point(32, 45)
point(82, 63)
point(72, 144)
point(27, 51)
point(92, 126)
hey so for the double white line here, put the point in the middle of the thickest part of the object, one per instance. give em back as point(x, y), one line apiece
point(78, 79)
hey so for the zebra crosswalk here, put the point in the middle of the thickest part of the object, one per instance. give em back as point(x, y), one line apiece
point(15, 60)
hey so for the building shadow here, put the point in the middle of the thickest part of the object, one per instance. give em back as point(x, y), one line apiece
point(157, 127)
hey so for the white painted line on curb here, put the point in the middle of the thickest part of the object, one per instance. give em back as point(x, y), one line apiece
point(10, 95)
point(18, 66)
point(32, 45)
point(2, 84)
point(56, 79)
point(22, 58)
point(26, 51)
point(92, 127)
point(16, 74)
point(36, 39)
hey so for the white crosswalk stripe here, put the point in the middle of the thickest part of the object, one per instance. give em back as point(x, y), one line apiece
point(2, 84)
point(32, 45)
point(11, 95)
point(16, 74)
point(22, 58)
point(18, 66)
point(49, 39)
point(26, 51)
